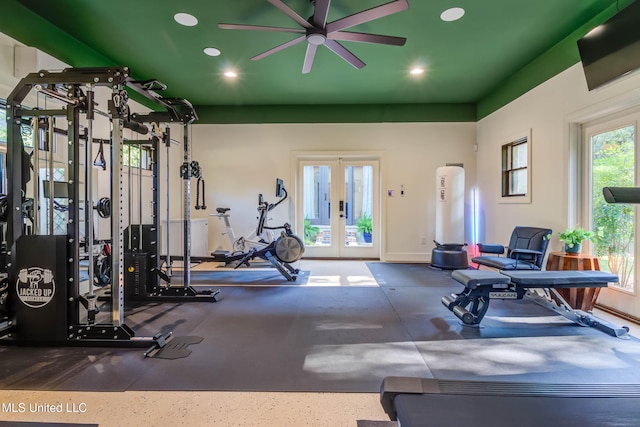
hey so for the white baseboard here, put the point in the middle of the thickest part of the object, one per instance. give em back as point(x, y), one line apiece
point(407, 257)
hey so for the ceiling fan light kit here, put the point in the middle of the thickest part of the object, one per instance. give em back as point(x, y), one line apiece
point(316, 31)
point(316, 38)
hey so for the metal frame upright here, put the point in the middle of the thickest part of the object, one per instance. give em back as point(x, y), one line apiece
point(44, 269)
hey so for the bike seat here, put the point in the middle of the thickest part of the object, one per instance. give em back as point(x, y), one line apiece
point(222, 210)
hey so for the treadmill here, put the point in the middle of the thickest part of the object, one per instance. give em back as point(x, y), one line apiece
point(423, 402)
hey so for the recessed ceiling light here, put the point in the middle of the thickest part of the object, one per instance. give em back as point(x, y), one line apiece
point(452, 14)
point(230, 74)
point(416, 71)
point(185, 19)
point(212, 51)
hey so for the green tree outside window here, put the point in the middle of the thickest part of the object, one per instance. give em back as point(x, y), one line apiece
point(613, 166)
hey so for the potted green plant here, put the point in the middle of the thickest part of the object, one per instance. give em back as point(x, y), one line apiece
point(310, 232)
point(573, 238)
point(365, 226)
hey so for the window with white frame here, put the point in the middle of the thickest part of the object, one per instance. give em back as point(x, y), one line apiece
point(137, 156)
point(3, 123)
point(516, 170)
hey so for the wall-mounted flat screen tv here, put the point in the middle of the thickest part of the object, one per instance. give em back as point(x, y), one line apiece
point(612, 49)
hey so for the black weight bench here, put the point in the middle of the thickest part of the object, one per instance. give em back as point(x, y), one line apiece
point(422, 402)
point(481, 286)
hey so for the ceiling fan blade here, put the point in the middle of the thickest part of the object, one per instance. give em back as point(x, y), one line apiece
point(260, 28)
point(320, 13)
point(367, 15)
point(368, 38)
point(291, 13)
point(279, 48)
point(343, 53)
point(309, 57)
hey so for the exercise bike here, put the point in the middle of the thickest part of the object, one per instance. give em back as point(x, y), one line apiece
point(287, 248)
point(242, 243)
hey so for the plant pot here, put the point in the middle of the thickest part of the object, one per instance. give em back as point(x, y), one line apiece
point(366, 236)
point(574, 250)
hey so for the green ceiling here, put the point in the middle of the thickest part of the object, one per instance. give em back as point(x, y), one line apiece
point(497, 51)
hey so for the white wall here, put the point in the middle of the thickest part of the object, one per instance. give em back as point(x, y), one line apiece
point(550, 111)
point(241, 161)
point(7, 80)
point(30, 60)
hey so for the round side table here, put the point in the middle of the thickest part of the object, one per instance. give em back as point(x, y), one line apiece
point(578, 298)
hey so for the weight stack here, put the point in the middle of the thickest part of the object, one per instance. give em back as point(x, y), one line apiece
point(136, 273)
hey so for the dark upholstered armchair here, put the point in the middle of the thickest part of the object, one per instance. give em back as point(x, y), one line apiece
point(526, 250)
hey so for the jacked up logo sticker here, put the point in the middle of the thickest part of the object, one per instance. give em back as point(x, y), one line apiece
point(35, 286)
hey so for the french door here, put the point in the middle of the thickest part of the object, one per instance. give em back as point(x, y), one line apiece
point(338, 208)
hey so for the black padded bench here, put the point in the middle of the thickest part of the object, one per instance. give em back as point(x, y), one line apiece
point(481, 286)
point(422, 402)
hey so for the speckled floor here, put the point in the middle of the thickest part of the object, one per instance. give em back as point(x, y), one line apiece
point(192, 408)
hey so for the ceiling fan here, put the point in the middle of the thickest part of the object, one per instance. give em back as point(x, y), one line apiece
point(318, 32)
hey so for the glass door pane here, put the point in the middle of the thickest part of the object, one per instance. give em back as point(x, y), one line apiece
point(613, 165)
point(358, 208)
point(359, 219)
point(316, 205)
point(338, 205)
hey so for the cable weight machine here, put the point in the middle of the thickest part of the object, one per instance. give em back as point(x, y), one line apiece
point(43, 301)
point(145, 280)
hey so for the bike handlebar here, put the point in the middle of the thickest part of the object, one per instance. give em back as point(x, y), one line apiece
point(263, 208)
point(264, 205)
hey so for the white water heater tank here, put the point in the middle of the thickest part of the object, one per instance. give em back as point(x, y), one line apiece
point(450, 204)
